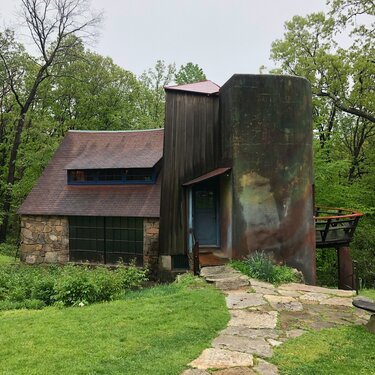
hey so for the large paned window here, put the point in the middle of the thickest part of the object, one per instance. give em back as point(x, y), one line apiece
point(106, 239)
point(111, 176)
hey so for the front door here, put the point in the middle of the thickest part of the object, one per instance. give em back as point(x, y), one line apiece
point(205, 213)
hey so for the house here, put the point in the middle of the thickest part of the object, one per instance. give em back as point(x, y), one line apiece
point(98, 200)
point(236, 178)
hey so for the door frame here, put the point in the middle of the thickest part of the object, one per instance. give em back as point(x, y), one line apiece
point(191, 210)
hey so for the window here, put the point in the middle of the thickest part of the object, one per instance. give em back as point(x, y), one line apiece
point(111, 176)
point(106, 239)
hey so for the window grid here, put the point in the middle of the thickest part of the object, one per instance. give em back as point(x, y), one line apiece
point(106, 239)
point(111, 176)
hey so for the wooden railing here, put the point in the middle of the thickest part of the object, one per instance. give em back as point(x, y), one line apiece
point(335, 227)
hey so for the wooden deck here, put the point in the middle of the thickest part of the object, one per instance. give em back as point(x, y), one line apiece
point(335, 227)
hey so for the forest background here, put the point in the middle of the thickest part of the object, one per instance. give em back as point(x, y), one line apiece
point(64, 86)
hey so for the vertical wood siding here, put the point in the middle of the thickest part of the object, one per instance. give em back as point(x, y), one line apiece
point(191, 148)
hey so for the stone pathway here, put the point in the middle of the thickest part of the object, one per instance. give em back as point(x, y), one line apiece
point(263, 317)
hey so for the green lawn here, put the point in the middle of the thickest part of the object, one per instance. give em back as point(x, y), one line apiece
point(370, 293)
point(337, 351)
point(155, 331)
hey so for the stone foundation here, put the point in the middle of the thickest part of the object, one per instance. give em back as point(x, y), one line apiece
point(151, 243)
point(44, 239)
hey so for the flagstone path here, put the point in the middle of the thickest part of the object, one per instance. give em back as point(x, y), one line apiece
point(264, 316)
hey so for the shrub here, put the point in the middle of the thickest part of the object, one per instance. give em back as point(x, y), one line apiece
point(188, 280)
point(25, 304)
point(131, 276)
point(65, 286)
point(363, 251)
point(260, 266)
point(326, 267)
point(44, 290)
point(8, 249)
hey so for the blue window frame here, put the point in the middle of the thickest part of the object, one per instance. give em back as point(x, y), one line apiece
point(117, 176)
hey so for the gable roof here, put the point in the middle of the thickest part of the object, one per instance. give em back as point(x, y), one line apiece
point(95, 150)
point(202, 87)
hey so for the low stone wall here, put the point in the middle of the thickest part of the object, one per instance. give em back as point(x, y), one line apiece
point(151, 243)
point(44, 239)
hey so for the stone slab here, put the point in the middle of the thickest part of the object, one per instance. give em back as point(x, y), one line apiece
point(313, 297)
point(243, 300)
point(370, 326)
point(257, 346)
point(221, 358)
point(274, 343)
point(262, 284)
point(284, 303)
point(337, 301)
point(253, 319)
point(293, 333)
point(316, 289)
point(236, 371)
point(261, 290)
point(266, 368)
point(221, 276)
point(214, 270)
point(250, 332)
point(232, 283)
point(288, 293)
point(195, 371)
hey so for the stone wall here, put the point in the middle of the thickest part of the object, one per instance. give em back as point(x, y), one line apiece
point(44, 239)
point(151, 243)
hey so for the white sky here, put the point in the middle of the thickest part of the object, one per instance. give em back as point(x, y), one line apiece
point(222, 36)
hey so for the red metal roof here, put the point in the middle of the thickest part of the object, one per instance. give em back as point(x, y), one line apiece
point(134, 149)
point(203, 87)
point(206, 176)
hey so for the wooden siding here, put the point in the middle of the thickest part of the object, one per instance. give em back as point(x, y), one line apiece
point(191, 148)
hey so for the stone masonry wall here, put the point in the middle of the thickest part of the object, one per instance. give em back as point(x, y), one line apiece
point(44, 239)
point(151, 243)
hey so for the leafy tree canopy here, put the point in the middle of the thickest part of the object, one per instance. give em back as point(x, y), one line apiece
point(189, 73)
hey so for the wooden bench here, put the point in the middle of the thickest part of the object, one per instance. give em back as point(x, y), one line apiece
point(368, 305)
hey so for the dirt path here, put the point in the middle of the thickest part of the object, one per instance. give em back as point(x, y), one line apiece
point(263, 317)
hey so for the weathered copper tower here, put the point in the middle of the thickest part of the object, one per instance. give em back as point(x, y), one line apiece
point(267, 136)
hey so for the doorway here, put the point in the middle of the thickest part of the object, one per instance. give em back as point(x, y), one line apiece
point(206, 213)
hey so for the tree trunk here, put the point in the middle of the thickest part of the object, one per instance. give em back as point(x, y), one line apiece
point(11, 176)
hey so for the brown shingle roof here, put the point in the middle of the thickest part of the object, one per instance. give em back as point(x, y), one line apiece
point(99, 150)
point(126, 149)
point(203, 87)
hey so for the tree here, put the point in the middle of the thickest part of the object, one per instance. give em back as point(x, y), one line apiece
point(342, 81)
point(55, 27)
point(189, 73)
point(153, 96)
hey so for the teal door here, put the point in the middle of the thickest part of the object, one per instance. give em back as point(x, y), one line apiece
point(205, 214)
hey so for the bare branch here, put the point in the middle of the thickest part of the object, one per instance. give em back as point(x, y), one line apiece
point(351, 110)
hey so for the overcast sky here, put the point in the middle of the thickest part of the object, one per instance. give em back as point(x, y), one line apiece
point(222, 36)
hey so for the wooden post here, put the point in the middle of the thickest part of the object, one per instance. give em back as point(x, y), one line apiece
point(345, 268)
point(196, 258)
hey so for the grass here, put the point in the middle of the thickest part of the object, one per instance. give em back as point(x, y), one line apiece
point(154, 331)
point(369, 293)
point(343, 351)
point(6, 259)
point(259, 266)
